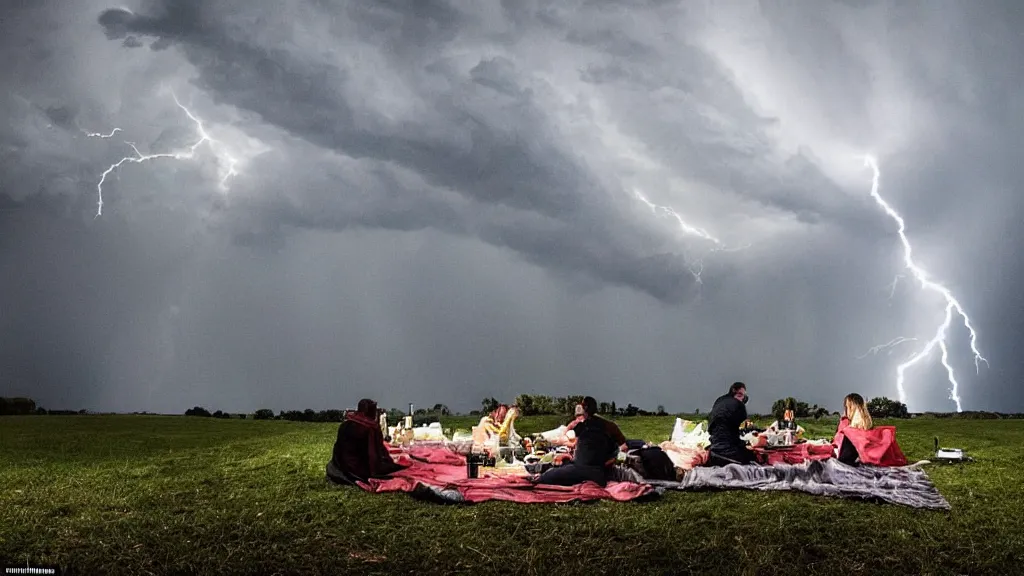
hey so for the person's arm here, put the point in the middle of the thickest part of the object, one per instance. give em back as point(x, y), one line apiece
point(616, 434)
point(843, 423)
point(573, 424)
point(381, 462)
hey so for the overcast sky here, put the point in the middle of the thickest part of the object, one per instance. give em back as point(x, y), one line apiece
point(440, 201)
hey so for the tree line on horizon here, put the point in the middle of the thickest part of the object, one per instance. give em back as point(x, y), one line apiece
point(528, 404)
point(23, 406)
point(880, 407)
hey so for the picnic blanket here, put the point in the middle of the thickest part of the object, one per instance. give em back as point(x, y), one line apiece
point(439, 474)
point(797, 454)
point(907, 485)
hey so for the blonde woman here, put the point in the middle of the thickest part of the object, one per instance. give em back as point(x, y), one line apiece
point(857, 417)
point(858, 441)
point(856, 411)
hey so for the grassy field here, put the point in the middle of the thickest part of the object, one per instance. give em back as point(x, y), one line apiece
point(176, 495)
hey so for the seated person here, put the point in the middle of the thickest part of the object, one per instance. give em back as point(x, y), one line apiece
point(504, 418)
point(359, 451)
point(728, 413)
point(859, 441)
point(598, 442)
point(499, 424)
point(777, 430)
point(788, 421)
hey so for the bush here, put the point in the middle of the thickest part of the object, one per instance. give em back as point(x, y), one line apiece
point(14, 406)
point(198, 411)
point(800, 409)
point(883, 407)
point(540, 404)
point(263, 414)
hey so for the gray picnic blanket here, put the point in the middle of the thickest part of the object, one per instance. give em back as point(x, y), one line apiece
point(906, 485)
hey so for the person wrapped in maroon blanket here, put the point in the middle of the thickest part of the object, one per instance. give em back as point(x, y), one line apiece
point(858, 441)
point(359, 451)
point(598, 442)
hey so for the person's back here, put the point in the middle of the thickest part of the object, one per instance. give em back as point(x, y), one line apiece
point(597, 441)
point(351, 453)
point(727, 415)
point(359, 451)
point(597, 445)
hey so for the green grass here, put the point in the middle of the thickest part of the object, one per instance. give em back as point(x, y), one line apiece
point(177, 495)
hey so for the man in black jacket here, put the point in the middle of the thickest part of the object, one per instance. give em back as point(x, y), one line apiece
point(727, 415)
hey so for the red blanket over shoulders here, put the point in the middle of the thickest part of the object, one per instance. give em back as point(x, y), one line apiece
point(876, 447)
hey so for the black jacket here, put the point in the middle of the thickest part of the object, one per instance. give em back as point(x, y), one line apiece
point(724, 421)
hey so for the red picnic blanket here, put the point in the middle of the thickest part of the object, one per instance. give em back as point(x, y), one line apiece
point(444, 470)
point(797, 454)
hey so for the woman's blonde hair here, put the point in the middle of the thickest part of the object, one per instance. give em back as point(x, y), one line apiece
point(857, 412)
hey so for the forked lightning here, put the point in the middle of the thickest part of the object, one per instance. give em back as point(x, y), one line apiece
point(952, 306)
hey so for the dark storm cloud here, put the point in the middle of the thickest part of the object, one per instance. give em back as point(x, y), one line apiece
point(434, 201)
point(498, 150)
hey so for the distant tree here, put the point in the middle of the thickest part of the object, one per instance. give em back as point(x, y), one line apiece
point(17, 406)
point(800, 409)
point(263, 414)
point(525, 404)
point(883, 407)
point(630, 410)
point(198, 411)
point(604, 407)
point(218, 414)
point(41, 411)
point(442, 410)
point(818, 412)
point(395, 416)
point(569, 404)
point(545, 404)
point(489, 405)
point(241, 416)
point(661, 411)
point(292, 415)
point(614, 410)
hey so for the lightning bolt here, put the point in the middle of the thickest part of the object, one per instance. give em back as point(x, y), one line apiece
point(952, 304)
point(892, 287)
point(696, 266)
point(186, 154)
point(101, 135)
point(887, 346)
point(683, 225)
